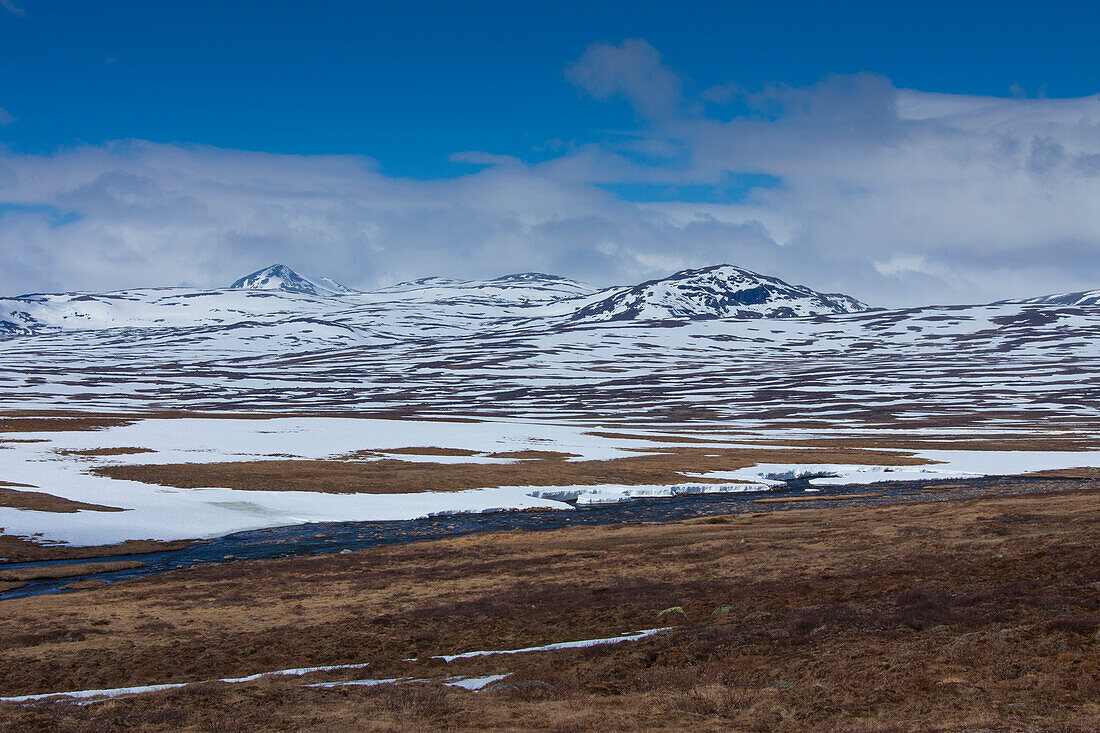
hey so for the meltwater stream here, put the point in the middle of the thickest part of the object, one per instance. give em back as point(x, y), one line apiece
point(331, 537)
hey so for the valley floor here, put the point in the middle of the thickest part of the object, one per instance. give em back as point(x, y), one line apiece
point(955, 614)
point(134, 482)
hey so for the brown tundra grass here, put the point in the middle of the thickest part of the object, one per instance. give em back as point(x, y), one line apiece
point(952, 615)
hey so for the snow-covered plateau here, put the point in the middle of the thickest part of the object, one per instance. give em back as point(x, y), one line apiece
point(719, 343)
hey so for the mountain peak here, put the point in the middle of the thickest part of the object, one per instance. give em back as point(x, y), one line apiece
point(281, 277)
point(717, 291)
point(525, 277)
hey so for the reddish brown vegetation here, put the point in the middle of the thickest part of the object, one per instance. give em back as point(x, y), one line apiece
point(44, 572)
point(119, 451)
point(23, 549)
point(60, 422)
point(42, 502)
point(428, 450)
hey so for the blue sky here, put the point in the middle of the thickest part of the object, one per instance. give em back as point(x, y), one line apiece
point(410, 83)
point(902, 152)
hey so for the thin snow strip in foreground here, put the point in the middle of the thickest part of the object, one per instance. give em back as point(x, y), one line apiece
point(458, 681)
point(628, 636)
point(466, 683)
point(81, 694)
point(294, 672)
point(476, 683)
point(118, 691)
point(360, 683)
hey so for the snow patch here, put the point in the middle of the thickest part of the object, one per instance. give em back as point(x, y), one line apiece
point(629, 636)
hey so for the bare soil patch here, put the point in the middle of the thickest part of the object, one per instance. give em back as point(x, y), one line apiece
point(119, 451)
point(49, 572)
point(59, 423)
point(946, 616)
point(427, 450)
point(85, 584)
point(527, 455)
point(391, 476)
point(43, 502)
point(29, 549)
point(1071, 473)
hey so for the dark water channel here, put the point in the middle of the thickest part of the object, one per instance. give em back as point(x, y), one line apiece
point(332, 537)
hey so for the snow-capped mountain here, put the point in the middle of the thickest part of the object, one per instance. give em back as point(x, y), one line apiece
point(521, 288)
point(155, 308)
point(719, 342)
point(1086, 297)
point(281, 277)
point(721, 291)
point(426, 307)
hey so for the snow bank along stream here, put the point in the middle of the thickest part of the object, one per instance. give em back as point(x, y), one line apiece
point(157, 512)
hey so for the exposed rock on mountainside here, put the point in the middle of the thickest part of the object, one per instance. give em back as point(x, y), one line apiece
point(14, 322)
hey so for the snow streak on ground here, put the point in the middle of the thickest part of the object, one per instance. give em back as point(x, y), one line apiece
point(121, 691)
point(634, 636)
point(468, 683)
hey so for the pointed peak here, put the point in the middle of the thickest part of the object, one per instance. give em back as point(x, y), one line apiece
point(281, 277)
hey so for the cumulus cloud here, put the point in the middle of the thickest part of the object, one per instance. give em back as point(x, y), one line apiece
point(138, 213)
point(477, 157)
point(896, 196)
point(6, 118)
point(631, 70)
point(981, 191)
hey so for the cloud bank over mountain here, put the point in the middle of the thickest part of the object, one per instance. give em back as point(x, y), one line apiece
point(893, 195)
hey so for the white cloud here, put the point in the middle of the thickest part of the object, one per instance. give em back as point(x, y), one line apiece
point(902, 263)
point(895, 196)
point(6, 118)
point(10, 6)
point(153, 214)
point(477, 157)
point(632, 70)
